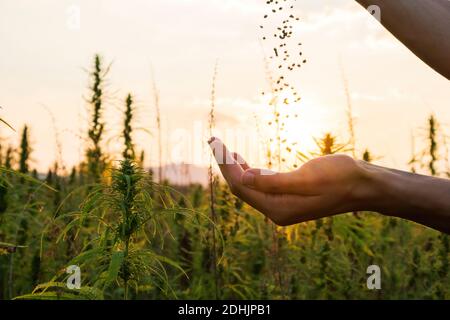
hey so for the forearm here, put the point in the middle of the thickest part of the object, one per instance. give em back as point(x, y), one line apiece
point(421, 25)
point(415, 197)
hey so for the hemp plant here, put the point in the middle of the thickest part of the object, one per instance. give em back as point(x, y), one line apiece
point(120, 256)
point(128, 152)
point(94, 153)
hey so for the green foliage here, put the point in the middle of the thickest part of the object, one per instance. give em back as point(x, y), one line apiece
point(122, 221)
point(432, 137)
point(128, 152)
point(95, 156)
point(25, 151)
point(133, 238)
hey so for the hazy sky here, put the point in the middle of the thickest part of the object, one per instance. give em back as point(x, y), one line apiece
point(43, 58)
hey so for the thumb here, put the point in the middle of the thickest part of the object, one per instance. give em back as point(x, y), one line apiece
point(269, 181)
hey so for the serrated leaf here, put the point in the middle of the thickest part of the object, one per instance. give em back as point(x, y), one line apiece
point(114, 266)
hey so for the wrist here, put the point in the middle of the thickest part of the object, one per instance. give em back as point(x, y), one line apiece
point(374, 189)
point(402, 194)
point(393, 192)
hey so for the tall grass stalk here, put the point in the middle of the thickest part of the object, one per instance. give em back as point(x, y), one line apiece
point(349, 113)
point(58, 143)
point(158, 127)
point(211, 125)
point(414, 159)
point(274, 156)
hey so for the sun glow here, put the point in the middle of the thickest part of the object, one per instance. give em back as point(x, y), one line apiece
point(289, 127)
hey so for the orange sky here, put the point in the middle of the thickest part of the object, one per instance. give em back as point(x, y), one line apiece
point(42, 58)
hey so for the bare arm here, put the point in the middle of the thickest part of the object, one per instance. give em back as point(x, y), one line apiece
point(335, 184)
point(415, 197)
point(421, 25)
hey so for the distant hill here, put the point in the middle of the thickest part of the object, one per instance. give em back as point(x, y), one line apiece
point(183, 174)
point(177, 174)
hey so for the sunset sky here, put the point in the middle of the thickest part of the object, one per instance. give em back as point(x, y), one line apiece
point(43, 58)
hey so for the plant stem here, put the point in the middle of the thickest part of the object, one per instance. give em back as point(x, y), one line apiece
point(125, 255)
point(211, 185)
point(158, 126)
point(10, 279)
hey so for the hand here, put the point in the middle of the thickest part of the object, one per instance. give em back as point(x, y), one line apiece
point(321, 187)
